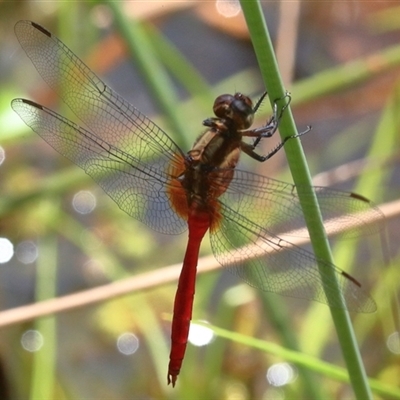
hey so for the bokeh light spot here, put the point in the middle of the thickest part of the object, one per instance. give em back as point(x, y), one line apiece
point(27, 252)
point(393, 342)
point(200, 335)
point(32, 340)
point(6, 250)
point(84, 202)
point(228, 8)
point(280, 374)
point(2, 155)
point(127, 343)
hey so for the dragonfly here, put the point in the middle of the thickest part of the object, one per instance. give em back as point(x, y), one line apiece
point(153, 180)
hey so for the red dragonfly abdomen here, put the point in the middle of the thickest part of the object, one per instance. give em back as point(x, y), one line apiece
point(198, 223)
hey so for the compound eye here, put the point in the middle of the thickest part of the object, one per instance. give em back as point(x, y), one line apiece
point(242, 111)
point(245, 100)
point(222, 106)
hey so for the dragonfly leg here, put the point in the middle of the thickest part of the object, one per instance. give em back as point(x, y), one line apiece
point(271, 126)
point(267, 131)
point(259, 102)
point(249, 148)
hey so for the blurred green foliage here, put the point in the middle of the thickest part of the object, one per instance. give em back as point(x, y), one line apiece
point(353, 109)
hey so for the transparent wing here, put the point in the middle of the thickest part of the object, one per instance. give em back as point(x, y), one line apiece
point(138, 187)
point(272, 264)
point(275, 206)
point(123, 150)
point(103, 111)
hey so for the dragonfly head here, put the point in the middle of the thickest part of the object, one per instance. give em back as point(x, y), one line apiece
point(238, 108)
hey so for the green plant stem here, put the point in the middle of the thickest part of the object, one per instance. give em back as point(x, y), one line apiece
point(43, 376)
point(301, 176)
